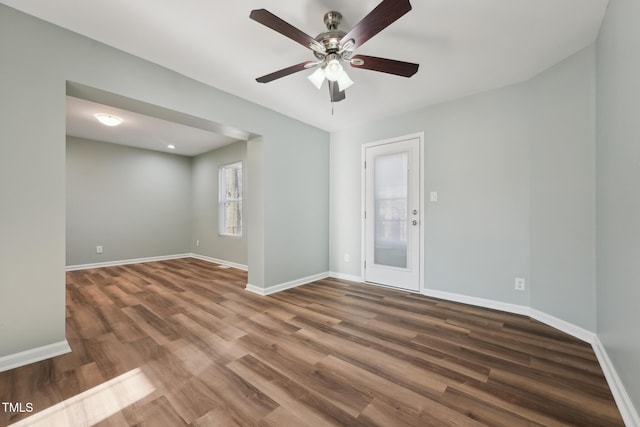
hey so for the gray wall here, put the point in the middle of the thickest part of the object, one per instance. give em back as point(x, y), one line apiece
point(135, 203)
point(482, 156)
point(139, 203)
point(562, 193)
point(618, 201)
point(37, 61)
point(295, 200)
point(502, 163)
point(205, 205)
point(32, 220)
point(476, 158)
point(254, 212)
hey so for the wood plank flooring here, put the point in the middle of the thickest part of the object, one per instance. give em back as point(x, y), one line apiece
point(181, 342)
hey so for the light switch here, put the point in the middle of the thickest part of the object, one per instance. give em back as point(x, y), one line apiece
point(433, 196)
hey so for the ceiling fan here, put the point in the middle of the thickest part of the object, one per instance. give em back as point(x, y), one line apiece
point(334, 47)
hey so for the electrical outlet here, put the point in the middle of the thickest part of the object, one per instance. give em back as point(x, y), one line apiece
point(98, 249)
point(519, 285)
point(346, 258)
point(197, 242)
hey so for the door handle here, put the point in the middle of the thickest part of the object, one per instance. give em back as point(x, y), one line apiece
point(414, 222)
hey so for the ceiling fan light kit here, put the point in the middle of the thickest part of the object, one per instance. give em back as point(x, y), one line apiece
point(334, 47)
point(332, 71)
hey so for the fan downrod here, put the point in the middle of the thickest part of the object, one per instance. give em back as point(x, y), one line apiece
point(330, 39)
point(332, 20)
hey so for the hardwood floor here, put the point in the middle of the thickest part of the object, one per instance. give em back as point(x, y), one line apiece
point(182, 343)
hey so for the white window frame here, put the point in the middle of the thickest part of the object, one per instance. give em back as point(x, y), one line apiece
point(224, 199)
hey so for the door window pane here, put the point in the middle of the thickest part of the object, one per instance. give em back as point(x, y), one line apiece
point(391, 199)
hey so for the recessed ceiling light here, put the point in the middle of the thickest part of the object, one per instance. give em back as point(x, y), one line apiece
point(171, 147)
point(108, 119)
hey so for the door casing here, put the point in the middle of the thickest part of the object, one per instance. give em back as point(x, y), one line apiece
point(421, 202)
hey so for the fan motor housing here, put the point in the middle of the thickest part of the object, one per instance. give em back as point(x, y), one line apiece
point(330, 39)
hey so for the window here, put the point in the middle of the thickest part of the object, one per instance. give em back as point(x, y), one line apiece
point(230, 200)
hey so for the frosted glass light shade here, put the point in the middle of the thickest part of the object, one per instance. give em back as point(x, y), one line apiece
point(333, 70)
point(344, 82)
point(317, 78)
point(108, 119)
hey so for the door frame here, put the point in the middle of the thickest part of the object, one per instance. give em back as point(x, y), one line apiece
point(421, 203)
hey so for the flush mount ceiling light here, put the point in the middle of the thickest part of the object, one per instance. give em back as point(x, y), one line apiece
point(171, 147)
point(334, 47)
point(108, 119)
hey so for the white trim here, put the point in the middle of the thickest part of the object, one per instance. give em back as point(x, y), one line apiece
point(563, 325)
point(284, 286)
point(33, 355)
point(220, 261)
point(126, 261)
point(623, 401)
point(480, 302)
point(625, 405)
point(547, 319)
point(255, 289)
point(156, 258)
point(348, 277)
point(421, 202)
point(395, 288)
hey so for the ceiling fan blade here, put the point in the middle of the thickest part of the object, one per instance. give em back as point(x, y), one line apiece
point(377, 20)
point(390, 66)
point(334, 91)
point(270, 20)
point(286, 71)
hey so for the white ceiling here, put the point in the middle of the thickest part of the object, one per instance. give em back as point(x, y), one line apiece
point(462, 46)
point(140, 130)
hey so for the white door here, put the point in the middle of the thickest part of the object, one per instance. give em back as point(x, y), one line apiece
point(392, 214)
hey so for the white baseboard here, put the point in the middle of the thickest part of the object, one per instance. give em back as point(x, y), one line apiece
point(623, 401)
point(562, 325)
point(255, 289)
point(34, 355)
point(126, 262)
point(220, 261)
point(479, 302)
point(625, 406)
point(153, 259)
point(349, 277)
point(284, 286)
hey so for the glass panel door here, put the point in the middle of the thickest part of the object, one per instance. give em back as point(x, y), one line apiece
point(391, 198)
point(391, 220)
